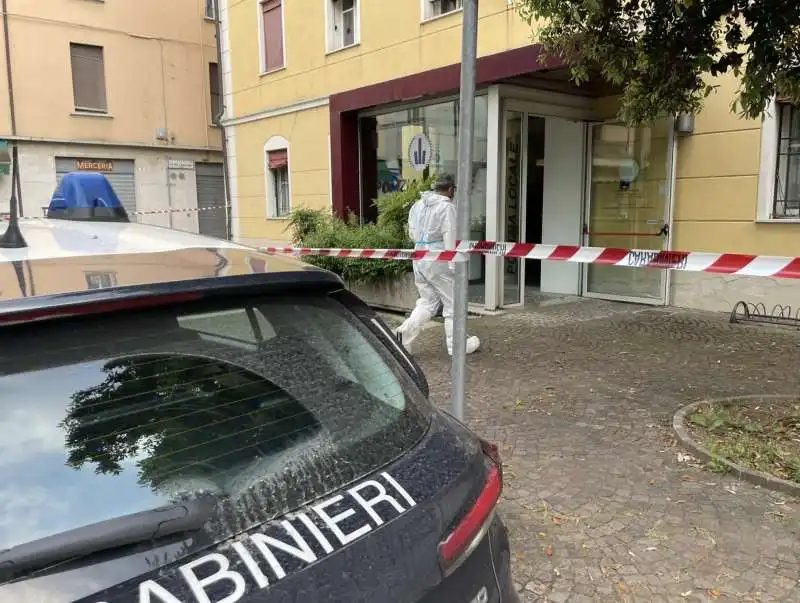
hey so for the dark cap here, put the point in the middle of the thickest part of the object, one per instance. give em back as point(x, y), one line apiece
point(443, 182)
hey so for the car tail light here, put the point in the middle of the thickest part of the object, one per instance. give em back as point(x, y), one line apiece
point(469, 532)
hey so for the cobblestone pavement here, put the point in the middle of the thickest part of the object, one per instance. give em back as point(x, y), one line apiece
point(601, 504)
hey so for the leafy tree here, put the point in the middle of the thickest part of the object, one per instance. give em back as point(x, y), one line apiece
point(659, 52)
point(176, 414)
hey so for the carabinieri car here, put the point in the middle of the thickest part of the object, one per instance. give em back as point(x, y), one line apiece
point(185, 419)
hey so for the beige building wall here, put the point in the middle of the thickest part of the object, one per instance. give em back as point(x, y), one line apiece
point(720, 205)
point(721, 173)
point(156, 57)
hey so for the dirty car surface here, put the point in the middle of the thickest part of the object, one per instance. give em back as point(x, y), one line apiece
point(237, 447)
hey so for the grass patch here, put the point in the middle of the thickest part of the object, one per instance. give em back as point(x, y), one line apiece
point(764, 436)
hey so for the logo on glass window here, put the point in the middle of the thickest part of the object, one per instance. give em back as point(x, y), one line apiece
point(628, 172)
point(420, 152)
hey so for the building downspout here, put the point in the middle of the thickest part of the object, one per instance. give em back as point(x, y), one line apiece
point(10, 82)
point(219, 124)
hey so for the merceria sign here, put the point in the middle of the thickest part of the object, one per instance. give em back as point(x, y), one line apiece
point(94, 165)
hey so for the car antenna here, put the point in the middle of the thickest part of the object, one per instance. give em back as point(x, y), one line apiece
point(12, 238)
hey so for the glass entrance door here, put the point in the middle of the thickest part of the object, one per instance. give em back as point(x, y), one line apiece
point(628, 207)
point(513, 187)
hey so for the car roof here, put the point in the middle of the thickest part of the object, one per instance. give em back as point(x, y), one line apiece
point(67, 258)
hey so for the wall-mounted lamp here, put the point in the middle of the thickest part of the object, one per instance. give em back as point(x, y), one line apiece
point(684, 124)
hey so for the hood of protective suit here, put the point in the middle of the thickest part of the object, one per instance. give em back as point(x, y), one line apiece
point(432, 221)
point(430, 198)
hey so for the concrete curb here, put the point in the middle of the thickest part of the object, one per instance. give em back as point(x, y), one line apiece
point(748, 475)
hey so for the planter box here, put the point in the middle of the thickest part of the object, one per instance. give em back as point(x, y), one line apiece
point(398, 295)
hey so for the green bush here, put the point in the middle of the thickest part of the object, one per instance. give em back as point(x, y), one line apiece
point(317, 228)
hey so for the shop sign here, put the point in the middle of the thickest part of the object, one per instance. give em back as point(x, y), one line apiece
point(513, 168)
point(94, 165)
point(180, 164)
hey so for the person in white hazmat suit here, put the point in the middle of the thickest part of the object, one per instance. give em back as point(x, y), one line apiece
point(432, 226)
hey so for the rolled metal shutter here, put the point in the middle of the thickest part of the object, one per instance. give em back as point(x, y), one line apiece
point(211, 194)
point(122, 179)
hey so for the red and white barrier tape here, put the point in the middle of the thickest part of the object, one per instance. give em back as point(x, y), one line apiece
point(689, 261)
point(172, 210)
point(175, 210)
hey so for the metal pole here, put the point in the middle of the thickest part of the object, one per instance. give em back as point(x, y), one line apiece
point(466, 120)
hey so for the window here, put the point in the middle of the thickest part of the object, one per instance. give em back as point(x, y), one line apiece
point(276, 159)
point(279, 176)
point(211, 9)
point(786, 203)
point(436, 8)
point(101, 280)
point(342, 24)
point(216, 91)
point(242, 400)
point(88, 78)
point(389, 160)
point(272, 34)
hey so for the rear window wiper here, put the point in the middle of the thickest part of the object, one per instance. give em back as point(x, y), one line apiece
point(126, 530)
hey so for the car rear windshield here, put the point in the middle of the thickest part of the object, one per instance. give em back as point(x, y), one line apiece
point(110, 415)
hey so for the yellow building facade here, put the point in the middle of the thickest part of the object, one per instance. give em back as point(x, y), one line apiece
point(332, 103)
point(125, 88)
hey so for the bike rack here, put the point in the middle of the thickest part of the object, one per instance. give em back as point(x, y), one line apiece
point(757, 313)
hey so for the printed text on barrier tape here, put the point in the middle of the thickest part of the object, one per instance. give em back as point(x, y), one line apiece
point(689, 261)
point(171, 210)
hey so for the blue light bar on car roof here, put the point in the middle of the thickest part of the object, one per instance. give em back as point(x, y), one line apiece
point(86, 196)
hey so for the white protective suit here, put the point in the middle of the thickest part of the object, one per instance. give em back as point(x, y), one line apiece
point(432, 226)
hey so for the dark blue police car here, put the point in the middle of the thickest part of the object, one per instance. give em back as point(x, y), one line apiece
point(184, 419)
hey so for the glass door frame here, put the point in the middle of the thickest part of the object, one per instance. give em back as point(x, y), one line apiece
point(528, 103)
point(507, 114)
point(669, 206)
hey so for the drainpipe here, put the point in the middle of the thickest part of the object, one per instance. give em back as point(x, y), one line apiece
point(219, 124)
point(10, 83)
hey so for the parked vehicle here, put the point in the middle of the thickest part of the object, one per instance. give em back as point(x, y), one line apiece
point(186, 419)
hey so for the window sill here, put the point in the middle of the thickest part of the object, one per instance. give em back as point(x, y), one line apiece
point(442, 16)
point(342, 49)
point(79, 113)
point(270, 72)
point(208, 19)
point(280, 218)
point(778, 220)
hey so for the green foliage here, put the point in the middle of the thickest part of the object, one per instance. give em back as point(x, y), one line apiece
point(393, 208)
point(659, 52)
point(315, 228)
point(762, 437)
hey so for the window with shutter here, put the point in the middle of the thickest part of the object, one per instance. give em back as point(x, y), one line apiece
point(88, 78)
point(272, 23)
point(216, 91)
point(279, 203)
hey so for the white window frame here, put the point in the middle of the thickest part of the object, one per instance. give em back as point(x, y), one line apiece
point(277, 143)
point(333, 17)
point(428, 8)
point(262, 59)
point(768, 167)
point(214, 9)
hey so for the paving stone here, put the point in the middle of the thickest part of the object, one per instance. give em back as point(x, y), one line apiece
point(582, 395)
